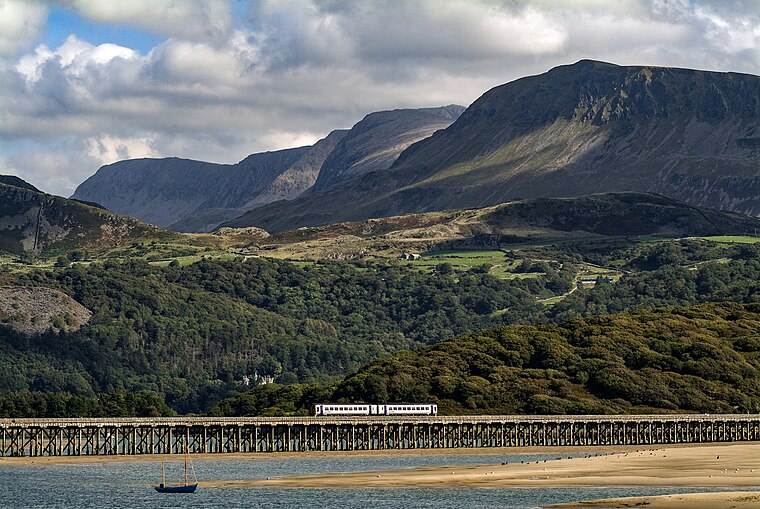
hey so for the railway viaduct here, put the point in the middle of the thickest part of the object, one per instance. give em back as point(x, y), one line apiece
point(146, 436)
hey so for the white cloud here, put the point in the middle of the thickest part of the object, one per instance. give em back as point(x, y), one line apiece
point(21, 22)
point(219, 89)
point(109, 149)
point(50, 167)
point(75, 57)
point(196, 20)
point(730, 35)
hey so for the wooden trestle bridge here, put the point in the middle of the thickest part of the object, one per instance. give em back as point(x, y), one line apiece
point(145, 436)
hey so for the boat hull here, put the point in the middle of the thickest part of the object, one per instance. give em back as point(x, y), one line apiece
point(190, 488)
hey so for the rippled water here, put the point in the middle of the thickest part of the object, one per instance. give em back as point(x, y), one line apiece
point(128, 485)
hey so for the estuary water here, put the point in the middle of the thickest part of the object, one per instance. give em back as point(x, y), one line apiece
point(128, 485)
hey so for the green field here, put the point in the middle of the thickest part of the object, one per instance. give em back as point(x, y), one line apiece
point(501, 265)
point(734, 239)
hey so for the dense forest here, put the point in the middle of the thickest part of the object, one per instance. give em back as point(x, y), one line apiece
point(192, 335)
point(704, 358)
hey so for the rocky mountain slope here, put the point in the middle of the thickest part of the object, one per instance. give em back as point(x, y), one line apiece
point(196, 196)
point(162, 191)
point(578, 129)
point(35, 222)
point(377, 140)
point(217, 207)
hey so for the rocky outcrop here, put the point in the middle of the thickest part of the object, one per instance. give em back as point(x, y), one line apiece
point(37, 310)
point(251, 231)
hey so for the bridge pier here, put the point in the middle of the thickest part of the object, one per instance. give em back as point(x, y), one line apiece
point(137, 436)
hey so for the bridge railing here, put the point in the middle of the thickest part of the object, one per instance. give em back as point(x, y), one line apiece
point(438, 419)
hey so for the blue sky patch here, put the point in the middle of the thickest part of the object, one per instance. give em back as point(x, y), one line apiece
point(61, 23)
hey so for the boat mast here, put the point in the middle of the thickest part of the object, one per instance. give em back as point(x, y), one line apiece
point(163, 473)
point(186, 483)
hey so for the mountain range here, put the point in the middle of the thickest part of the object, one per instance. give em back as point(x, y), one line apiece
point(590, 127)
point(195, 196)
point(578, 129)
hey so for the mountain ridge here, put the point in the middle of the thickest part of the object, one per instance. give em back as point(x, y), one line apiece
point(150, 186)
point(358, 154)
point(584, 128)
point(196, 196)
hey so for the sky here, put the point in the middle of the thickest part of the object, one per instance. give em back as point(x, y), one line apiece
point(84, 83)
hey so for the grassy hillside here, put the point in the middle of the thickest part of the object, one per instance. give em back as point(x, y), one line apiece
point(508, 225)
point(42, 224)
point(192, 333)
point(174, 325)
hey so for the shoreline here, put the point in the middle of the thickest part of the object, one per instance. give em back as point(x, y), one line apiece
point(564, 451)
point(711, 500)
point(240, 456)
point(726, 465)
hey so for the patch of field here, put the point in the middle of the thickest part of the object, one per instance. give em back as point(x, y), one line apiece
point(588, 271)
point(733, 239)
point(552, 300)
point(500, 265)
point(189, 260)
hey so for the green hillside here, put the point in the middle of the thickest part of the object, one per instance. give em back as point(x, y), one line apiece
point(192, 333)
point(42, 224)
point(189, 335)
point(700, 359)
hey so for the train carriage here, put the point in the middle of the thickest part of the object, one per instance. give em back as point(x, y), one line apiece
point(325, 409)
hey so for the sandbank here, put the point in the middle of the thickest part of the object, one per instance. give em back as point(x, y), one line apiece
point(729, 465)
point(722, 500)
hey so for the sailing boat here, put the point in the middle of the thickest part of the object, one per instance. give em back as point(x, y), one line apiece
point(177, 488)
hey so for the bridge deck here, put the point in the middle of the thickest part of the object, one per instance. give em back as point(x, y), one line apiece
point(175, 435)
point(357, 420)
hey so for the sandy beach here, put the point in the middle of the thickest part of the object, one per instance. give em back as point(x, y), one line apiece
point(719, 466)
point(735, 465)
point(715, 465)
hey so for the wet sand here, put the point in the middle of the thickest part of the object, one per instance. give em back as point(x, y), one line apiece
point(726, 500)
point(728, 465)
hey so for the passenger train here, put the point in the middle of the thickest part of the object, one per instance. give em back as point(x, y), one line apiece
point(323, 409)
